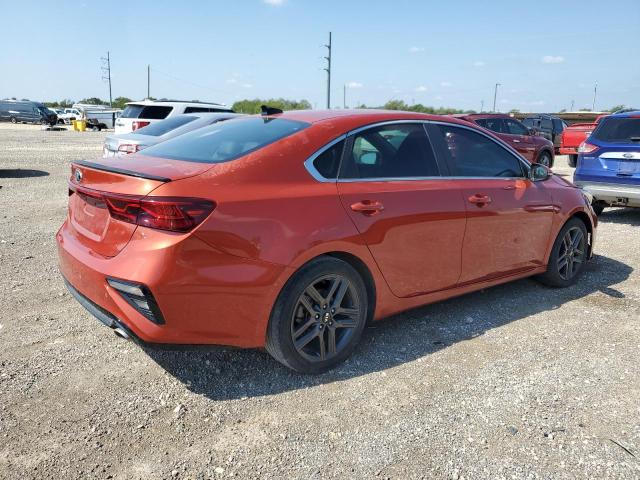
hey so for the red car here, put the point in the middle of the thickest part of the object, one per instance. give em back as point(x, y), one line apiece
point(527, 142)
point(292, 231)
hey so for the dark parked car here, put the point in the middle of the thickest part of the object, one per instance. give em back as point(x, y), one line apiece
point(549, 126)
point(524, 140)
point(16, 111)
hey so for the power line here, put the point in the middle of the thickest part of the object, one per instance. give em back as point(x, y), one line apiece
point(106, 69)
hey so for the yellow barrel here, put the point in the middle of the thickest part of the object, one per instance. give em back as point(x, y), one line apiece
point(75, 127)
point(82, 125)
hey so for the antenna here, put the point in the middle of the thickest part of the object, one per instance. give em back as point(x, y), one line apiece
point(106, 70)
point(328, 70)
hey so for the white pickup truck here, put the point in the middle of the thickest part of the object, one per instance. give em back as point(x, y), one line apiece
point(69, 114)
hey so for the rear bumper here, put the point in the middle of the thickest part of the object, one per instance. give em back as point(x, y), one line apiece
point(612, 194)
point(205, 296)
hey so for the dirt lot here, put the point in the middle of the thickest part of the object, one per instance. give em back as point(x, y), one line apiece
point(518, 381)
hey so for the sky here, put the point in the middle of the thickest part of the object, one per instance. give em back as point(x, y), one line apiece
point(545, 55)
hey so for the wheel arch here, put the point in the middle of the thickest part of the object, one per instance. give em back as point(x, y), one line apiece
point(548, 150)
point(582, 216)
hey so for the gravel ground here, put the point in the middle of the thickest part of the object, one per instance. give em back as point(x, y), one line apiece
point(517, 381)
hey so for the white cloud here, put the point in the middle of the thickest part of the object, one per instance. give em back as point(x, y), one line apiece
point(421, 88)
point(479, 63)
point(247, 85)
point(354, 85)
point(232, 81)
point(416, 49)
point(446, 84)
point(275, 3)
point(552, 59)
point(438, 97)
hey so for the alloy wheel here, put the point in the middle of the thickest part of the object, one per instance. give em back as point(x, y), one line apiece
point(571, 254)
point(325, 317)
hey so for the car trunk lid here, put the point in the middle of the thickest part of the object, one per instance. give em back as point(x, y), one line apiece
point(89, 216)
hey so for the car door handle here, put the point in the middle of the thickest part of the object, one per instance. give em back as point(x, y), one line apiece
point(480, 200)
point(516, 141)
point(367, 207)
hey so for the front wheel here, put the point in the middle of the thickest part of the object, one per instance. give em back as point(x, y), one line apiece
point(14, 120)
point(573, 160)
point(568, 256)
point(544, 159)
point(319, 316)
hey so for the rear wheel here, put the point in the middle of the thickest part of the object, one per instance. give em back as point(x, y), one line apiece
point(573, 160)
point(598, 206)
point(14, 120)
point(568, 256)
point(319, 317)
point(544, 159)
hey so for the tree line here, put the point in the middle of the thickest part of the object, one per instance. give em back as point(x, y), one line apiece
point(252, 106)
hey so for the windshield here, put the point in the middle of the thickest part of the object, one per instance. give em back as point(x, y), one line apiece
point(225, 141)
point(160, 128)
point(619, 130)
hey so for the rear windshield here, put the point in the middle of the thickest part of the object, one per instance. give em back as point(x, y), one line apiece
point(620, 130)
point(160, 128)
point(225, 141)
point(153, 112)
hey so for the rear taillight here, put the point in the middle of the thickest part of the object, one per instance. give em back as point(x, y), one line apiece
point(138, 124)
point(175, 214)
point(129, 148)
point(587, 148)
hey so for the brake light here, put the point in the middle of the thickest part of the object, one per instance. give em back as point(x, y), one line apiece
point(587, 148)
point(129, 148)
point(175, 214)
point(138, 124)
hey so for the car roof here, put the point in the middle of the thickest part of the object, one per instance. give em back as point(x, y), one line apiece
point(478, 116)
point(175, 102)
point(633, 114)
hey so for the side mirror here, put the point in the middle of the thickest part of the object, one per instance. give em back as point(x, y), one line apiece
point(539, 172)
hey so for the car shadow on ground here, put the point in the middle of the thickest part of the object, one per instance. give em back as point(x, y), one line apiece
point(21, 173)
point(625, 216)
point(225, 373)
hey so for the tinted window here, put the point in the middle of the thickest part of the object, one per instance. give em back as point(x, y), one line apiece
point(622, 130)
point(130, 111)
point(528, 122)
point(204, 109)
point(390, 151)
point(471, 154)
point(160, 128)
point(155, 112)
point(558, 125)
point(493, 124)
point(546, 124)
point(327, 163)
point(515, 128)
point(225, 141)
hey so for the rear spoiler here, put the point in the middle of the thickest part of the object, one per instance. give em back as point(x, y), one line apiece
point(130, 173)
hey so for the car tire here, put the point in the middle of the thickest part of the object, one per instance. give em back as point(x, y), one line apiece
point(545, 159)
point(13, 120)
point(598, 206)
point(319, 316)
point(573, 161)
point(568, 256)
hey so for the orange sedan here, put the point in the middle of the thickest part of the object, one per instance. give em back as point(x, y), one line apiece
point(291, 231)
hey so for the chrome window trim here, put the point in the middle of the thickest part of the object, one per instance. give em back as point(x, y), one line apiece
point(308, 163)
point(311, 168)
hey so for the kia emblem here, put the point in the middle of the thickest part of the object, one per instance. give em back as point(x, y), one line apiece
point(627, 155)
point(78, 175)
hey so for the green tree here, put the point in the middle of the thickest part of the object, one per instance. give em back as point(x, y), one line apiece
point(93, 101)
point(253, 106)
point(616, 108)
point(120, 102)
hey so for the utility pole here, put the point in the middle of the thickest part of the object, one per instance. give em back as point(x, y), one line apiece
point(148, 81)
point(595, 93)
point(344, 96)
point(106, 70)
point(495, 95)
point(573, 102)
point(328, 70)
point(481, 106)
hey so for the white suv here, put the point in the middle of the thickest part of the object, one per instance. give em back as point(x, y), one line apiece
point(140, 114)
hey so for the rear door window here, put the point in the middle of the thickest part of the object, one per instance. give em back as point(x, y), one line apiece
point(225, 141)
point(160, 128)
point(493, 124)
point(471, 154)
point(390, 151)
point(618, 130)
point(328, 162)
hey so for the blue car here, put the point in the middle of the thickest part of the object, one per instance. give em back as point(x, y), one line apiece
point(608, 165)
